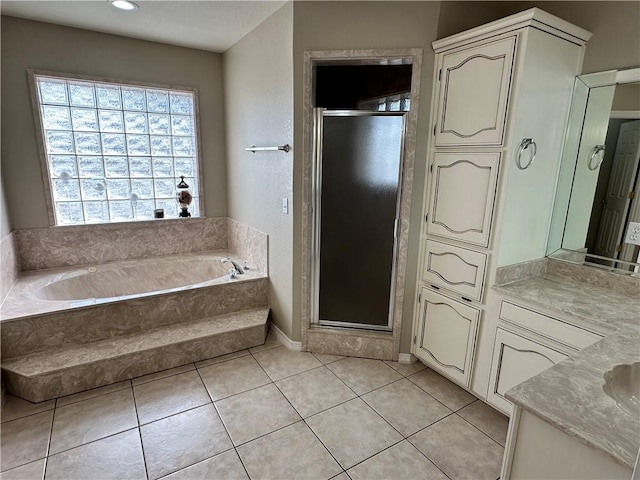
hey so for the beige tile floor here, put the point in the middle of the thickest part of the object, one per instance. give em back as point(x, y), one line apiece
point(267, 413)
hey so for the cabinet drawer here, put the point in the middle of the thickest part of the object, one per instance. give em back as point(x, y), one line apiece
point(549, 327)
point(463, 190)
point(474, 92)
point(447, 336)
point(454, 268)
point(516, 359)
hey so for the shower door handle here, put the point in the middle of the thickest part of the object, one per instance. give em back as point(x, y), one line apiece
point(395, 228)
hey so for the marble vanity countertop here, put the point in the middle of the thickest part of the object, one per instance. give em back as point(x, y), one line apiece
point(569, 395)
point(591, 306)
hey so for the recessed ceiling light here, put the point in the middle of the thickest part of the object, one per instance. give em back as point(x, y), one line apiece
point(124, 4)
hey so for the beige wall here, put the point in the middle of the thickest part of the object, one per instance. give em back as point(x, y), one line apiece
point(5, 221)
point(627, 97)
point(258, 79)
point(29, 44)
point(365, 25)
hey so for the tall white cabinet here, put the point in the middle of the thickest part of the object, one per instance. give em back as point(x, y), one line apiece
point(501, 95)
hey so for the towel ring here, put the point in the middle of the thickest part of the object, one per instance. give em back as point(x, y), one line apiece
point(596, 150)
point(524, 145)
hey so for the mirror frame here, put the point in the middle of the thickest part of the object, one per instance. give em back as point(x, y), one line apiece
point(568, 165)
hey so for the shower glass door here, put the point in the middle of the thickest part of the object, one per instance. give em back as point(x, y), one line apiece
point(358, 159)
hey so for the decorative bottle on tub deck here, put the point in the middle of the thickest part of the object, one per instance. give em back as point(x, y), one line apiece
point(184, 198)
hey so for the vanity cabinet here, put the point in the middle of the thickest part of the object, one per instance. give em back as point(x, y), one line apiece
point(526, 343)
point(473, 98)
point(516, 359)
point(447, 335)
point(501, 95)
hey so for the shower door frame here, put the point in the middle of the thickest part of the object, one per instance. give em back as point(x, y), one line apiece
point(351, 341)
point(316, 212)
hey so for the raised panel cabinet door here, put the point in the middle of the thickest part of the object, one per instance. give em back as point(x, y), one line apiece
point(447, 336)
point(516, 359)
point(454, 268)
point(474, 91)
point(463, 191)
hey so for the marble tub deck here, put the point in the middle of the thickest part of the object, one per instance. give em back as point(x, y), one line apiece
point(569, 395)
point(21, 302)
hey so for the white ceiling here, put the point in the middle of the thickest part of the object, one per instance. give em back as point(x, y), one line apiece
point(205, 24)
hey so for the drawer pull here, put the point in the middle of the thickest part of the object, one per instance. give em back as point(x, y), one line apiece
point(466, 299)
point(435, 287)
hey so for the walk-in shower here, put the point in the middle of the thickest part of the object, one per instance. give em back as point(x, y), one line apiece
point(357, 178)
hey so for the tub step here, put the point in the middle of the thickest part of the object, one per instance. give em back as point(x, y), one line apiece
point(78, 367)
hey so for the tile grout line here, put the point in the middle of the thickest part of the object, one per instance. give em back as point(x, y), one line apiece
point(369, 406)
point(166, 376)
point(47, 454)
point(213, 403)
point(381, 416)
point(96, 396)
point(139, 429)
point(313, 432)
point(436, 399)
point(478, 428)
point(303, 419)
point(92, 441)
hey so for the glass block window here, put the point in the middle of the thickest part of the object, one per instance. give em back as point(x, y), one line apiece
point(392, 103)
point(115, 152)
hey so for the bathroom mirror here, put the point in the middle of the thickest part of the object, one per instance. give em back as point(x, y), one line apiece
point(598, 194)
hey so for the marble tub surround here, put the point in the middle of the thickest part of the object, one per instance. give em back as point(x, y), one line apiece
point(29, 333)
point(77, 367)
point(55, 247)
point(58, 347)
point(249, 244)
point(69, 288)
point(9, 265)
point(570, 396)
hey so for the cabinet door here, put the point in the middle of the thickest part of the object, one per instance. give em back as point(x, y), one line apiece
point(454, 268)
point(516, 359)
point(463, 190)
point(447, 336)
point(474, 91)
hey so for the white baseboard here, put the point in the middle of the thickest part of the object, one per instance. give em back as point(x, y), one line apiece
point(286, 341)
point(406, 358)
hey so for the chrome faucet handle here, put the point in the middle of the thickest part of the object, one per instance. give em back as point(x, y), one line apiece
point(245, 265)
point(233, 273)
point(238, 268)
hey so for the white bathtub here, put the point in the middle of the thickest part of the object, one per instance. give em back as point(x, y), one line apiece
point(72, 287)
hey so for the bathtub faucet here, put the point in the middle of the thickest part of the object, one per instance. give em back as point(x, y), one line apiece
point(235, 264)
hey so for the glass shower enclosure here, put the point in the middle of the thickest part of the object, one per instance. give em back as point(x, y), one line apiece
point(357, 178)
